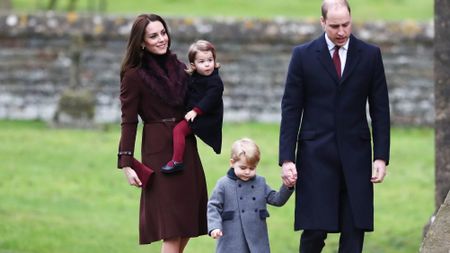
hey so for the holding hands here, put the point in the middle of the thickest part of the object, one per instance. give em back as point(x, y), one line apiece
point(289, 173)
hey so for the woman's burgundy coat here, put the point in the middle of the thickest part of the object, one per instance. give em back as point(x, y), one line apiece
point(173, 205)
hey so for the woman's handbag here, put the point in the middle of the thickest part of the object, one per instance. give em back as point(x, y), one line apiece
point(143, 172)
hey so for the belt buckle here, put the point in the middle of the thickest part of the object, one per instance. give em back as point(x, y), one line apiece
point(168, 120)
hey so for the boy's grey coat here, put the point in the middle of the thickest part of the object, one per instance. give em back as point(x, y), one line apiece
point(238, 208)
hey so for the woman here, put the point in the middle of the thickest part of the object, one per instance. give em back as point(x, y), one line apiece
point(153, 85)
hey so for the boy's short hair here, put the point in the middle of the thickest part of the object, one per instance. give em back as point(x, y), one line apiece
point(245, 147)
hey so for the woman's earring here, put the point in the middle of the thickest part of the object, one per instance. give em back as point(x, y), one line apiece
point(143, 47)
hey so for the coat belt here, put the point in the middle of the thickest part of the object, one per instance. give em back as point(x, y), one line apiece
point(166, 120)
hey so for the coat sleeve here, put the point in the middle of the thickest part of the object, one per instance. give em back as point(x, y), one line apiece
point(291, 109)
point(213, 96)
point(379, 111)
point(278, 198)
point(215, 207)
point(129, 99)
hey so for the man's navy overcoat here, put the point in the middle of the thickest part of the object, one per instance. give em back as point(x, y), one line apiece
point(324, 129)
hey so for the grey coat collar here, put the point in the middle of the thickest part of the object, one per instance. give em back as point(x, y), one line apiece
point(231, 175)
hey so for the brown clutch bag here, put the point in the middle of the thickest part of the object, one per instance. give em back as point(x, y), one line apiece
point(143, 172)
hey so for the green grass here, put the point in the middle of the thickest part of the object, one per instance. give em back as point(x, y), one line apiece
point(362, 10)
point(60, 191)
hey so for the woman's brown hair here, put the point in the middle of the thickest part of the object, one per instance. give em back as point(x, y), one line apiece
point(134, 52)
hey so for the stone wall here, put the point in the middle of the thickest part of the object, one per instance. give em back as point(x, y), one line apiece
point(35, 62)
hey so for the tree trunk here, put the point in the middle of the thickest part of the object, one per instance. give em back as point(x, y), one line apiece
point(442, 104)
point(442, 99)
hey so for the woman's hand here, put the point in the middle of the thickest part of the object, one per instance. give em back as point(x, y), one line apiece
point(131, 176)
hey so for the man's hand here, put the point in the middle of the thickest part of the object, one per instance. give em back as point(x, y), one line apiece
point(378, 171)
point(289, 173)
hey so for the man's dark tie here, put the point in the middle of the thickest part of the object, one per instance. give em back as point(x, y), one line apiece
point(337, 61)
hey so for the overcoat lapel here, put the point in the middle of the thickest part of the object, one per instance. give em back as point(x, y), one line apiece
point(353, 57)
point(324, 58)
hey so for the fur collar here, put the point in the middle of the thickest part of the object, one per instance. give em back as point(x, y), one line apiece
point(165, 75)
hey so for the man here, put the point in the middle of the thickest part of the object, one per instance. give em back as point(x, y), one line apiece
point(325, 136)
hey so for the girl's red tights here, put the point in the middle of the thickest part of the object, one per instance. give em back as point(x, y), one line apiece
point(180, 131)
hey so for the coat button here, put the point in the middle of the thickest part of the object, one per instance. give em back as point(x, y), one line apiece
point(240, 198)
point(254, 198)
point(239, 185)
point(256, 210)
point(253, 186)
point(243, 211)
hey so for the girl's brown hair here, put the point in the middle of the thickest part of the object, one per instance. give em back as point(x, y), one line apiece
point(203, 46)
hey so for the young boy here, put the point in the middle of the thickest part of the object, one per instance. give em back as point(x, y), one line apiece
point(237, 208)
